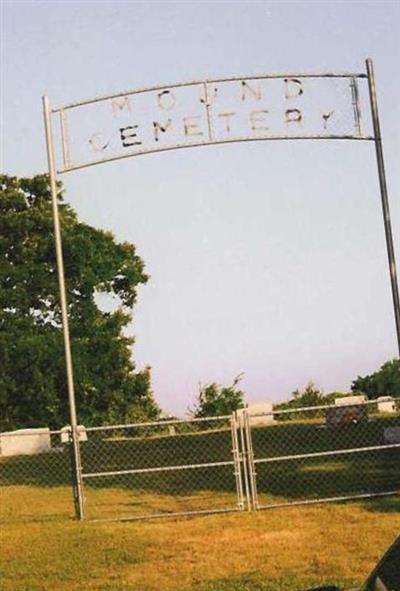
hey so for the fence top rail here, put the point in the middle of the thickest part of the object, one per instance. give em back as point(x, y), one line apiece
point(320, 407)
point(160, 423)
point(272, 76)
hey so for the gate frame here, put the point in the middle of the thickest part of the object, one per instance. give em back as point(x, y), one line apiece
point(252, 462)
point(237, 462)
point(47, 114)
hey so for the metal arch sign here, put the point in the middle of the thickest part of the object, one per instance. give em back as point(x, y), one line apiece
point(226, 110)
point(327, 106)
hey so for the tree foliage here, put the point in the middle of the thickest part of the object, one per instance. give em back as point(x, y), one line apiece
point(384, 382)
point(216, 400)
point(32, 371)
point(310, 396)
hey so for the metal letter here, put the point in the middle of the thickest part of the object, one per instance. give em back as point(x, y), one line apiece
point(294, 91)
point(255, 92)
point(161, 127)
point(120, 104)
point(161, 103)
point(98, 143)
point(326, 117)
point(293, 116)
point(227, 117)
point(128, 136)
point(191, 127)
point(207, 99)
point(257, 120)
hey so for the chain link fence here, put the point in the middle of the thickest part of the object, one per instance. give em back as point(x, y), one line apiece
point(212, 465)
point(35, 475)
point(167, 468)
point(325, 453)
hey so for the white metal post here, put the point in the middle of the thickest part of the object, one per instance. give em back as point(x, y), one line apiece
point(384, 197)
point(237, 460)
point(250, 460)
point(78, 488)
point(243, 456)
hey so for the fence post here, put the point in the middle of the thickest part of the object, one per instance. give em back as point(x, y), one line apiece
point(243, 457)
point(77, 486)
point(237, 460)
point(250, 460)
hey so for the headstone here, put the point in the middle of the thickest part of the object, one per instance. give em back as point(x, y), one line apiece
point(25, 442)
point(260, 414)
point(391, 435)
point(347, 410)
point(350, 400)
point(171, 430)
point(386, 404)
point(341, 415)
point(81, 433)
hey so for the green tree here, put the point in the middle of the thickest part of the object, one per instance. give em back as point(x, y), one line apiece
point(310, 396)
point(216, 400)
point(33, 388)
point(384, 382)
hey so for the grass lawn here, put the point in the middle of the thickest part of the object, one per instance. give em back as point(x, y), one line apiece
point(276, 550)
point(286, 549)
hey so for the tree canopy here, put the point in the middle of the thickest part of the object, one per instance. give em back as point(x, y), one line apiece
point(310, 396)
point(216, 400)
point(384, 382)
point(32, 371)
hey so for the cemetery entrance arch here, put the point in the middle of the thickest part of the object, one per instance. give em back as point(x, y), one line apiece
point(292, 106)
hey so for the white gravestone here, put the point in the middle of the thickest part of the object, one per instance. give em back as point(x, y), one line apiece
point(25, 442)
point(386, 404)
point(260, 414)
point(350, 400)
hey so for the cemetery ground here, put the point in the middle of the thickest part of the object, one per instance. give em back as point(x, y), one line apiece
point(276, 550)
point(285, 549)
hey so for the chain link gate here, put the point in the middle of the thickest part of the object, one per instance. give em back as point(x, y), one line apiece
point(321, 454)
point(166, 468)
point(241, 462)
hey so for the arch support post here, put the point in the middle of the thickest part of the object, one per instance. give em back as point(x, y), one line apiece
point(74, 436)
point(384, 197)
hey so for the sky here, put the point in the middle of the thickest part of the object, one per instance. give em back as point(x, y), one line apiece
point(266, 259)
